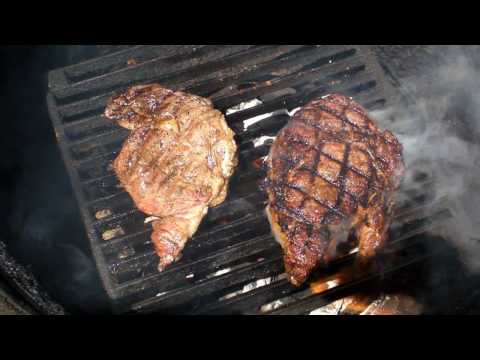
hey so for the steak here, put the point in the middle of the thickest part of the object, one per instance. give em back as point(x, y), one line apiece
point(176, 162)
point(331, 173)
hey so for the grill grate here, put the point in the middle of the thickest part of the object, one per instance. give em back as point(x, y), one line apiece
point(233, 246)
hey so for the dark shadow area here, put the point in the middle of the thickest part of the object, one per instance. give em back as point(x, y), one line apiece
point(41, 225)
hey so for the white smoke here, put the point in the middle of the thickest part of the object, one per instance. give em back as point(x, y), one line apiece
point(439, 133)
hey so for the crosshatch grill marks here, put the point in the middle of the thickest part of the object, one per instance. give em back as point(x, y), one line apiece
point(363, 130)
point(321, 153)
point(321, 191)
point(344, 163)
point(306, 197)
point(335, 136)
point(317, 174)
point(341, 176)
point(370, 185)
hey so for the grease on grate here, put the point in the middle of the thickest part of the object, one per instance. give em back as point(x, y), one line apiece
point(126, 252)
point(112, 233)
point(101, 214)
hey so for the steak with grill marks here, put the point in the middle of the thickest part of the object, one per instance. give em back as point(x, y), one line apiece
point(331, 172)
point(176, 162)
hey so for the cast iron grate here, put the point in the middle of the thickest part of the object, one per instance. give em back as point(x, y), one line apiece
point(233, 247)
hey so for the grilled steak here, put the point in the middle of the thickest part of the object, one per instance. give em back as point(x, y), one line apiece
point(331, 171)
point(175, 163)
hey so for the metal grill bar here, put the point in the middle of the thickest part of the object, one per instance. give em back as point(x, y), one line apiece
point(117, 61)
point(256, 200)
point(103, 143)
point(401, 233)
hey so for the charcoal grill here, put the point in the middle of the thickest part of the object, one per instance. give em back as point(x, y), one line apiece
point(232, 264)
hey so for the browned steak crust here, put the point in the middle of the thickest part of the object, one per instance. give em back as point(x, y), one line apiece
point(329, 170)
point(176, 162)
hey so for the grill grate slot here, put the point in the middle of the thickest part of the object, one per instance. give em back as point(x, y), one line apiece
point(104, 144)
point(233, 247)
point(114, 62)
point(159, 68)
point(404, 229)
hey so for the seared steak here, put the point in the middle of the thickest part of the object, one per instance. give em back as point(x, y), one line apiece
point(176, 162)
point(331, 170)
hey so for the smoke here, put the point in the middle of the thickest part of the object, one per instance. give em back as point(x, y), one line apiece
point(49, 236)
point(440, 135)
point(42, 225)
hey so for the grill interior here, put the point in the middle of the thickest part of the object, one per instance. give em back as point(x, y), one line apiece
point(232, 264)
